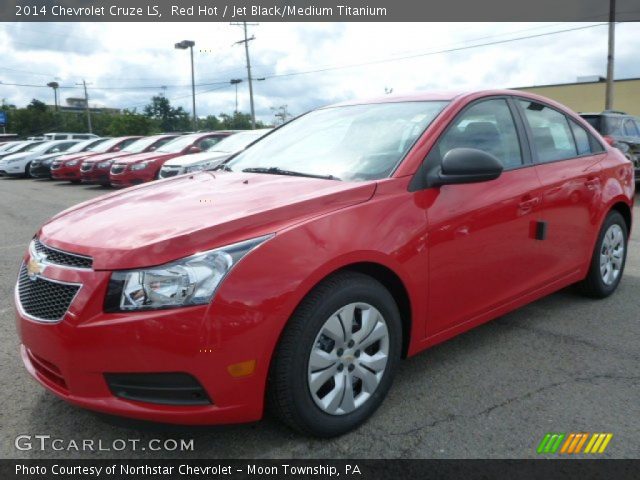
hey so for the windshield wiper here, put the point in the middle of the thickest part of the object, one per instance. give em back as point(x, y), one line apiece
point(223, 167)
point(279, 171)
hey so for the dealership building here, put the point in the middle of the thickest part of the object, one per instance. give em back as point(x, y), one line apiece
point(588, 93)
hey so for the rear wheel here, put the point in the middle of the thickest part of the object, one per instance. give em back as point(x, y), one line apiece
point(337, 356)
point(609, 257)
point(26, 170)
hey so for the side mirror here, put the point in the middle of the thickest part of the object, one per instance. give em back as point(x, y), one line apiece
point(194, 149)
point(465, 165)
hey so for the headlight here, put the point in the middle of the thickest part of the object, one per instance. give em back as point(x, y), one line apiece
point(104, 165)
point(189, 281)
point(196, 168)
point(72, 163)
point(139, 166)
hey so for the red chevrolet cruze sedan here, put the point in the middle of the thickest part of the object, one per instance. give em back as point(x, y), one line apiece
point(301, 271)
point(144, 167)
point(96, 169)
point(69, 168)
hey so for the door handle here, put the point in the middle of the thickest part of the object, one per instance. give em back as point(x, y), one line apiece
point(529, 203)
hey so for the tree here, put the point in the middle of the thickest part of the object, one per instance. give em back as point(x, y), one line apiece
point(37, 105)
point(238, 121)
point(130, 123)
point(170, 118)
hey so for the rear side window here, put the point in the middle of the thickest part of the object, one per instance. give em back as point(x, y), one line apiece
point(209, 142)
point(630, 128)
point(581, 136)
point(488, 126)
point(551, 135)
point(127, 142)
point(60, 137)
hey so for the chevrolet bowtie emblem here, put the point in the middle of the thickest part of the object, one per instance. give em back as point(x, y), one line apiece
point(34, 268)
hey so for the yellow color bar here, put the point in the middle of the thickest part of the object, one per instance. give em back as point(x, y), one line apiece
point(599, 440)
point(605, 442)
point(594, 437)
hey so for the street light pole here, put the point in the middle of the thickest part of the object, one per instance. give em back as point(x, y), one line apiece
point(183, 45)
point(608, 101)
point(86, 104)
point(236, 81)
point(54, 86)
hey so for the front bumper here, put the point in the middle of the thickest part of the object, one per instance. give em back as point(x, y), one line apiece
point(71, 357)
point(65, 172)
point(129, 178)
point(40, 170)
point(96, 175)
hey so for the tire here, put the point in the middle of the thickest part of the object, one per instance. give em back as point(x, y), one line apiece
point(26, 170)
point(602, 283)
point(289, 393)
point(75, 182)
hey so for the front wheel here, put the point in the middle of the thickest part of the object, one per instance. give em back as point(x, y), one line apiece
point(337, 356)
point(608, 260)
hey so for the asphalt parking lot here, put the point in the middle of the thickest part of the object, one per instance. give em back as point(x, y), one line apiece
point(562, 364)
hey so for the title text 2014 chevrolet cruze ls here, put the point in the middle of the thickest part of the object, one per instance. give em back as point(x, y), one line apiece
point(302, 271)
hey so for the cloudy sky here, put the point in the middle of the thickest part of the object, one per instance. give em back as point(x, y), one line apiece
point(305, 65)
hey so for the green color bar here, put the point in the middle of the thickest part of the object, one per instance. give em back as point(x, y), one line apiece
point(543, 443)
point(558, 442)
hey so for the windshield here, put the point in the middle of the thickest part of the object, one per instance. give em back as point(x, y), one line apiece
point(141, 145)
point(105, 146)
point(237, 141)
point(80, 147)
point(356, 142)
point(32, 147)
point(178, 144)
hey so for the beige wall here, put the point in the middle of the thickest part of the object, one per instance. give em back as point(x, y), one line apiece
point(589, 97)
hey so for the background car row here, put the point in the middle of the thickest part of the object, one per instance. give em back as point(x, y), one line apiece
point(122, 161)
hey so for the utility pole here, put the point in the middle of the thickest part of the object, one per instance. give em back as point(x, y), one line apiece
point(86, 104)
point(183, 45)
point(608, 101)
point(281, 113)
point(246, 50)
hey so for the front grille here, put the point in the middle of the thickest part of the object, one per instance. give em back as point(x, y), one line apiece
point(59, 257)
point(86, 167)
point(117, 169)
point(44, 299)
point(166, 173)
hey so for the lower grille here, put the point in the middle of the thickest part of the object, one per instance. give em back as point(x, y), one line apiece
point(117, 169)
point(162, 388)
point(44, 299)
point(47, 369)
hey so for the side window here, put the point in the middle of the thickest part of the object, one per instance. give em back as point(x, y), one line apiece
point(551, 136)
point(630, 129)
point(487, 126)
point(207, 143)
point(59, 137)
point(127, 142)
point(162, 141)
point(583, 145)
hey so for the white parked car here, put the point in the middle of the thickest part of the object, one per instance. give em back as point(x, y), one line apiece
point(17, 164)
point(19, 147)
point(69, 136)
point(213, 157)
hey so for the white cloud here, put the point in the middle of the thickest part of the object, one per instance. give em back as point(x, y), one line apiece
point(142, 54)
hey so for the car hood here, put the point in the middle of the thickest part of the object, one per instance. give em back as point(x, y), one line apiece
point(17, 156)
point(106, 156)
point(76, 156)
point(142, 157)
point(48, 156)
point(195, 158)
point(156, 223)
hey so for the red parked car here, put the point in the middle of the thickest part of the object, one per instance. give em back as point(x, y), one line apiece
point(306, 267)
point(144, 167)
point(69, 168)
point(95, 169)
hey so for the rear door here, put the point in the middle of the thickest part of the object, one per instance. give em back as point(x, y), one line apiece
point(568, 163)
point(482, 251)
